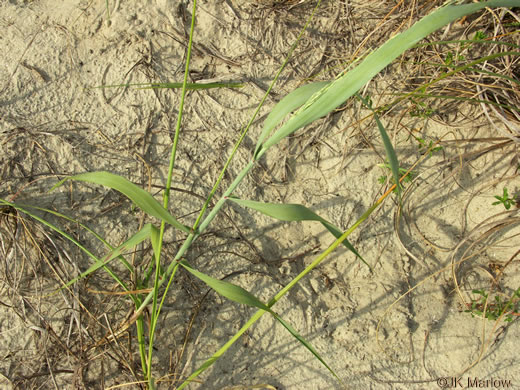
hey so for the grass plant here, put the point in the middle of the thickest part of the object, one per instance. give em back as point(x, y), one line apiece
point(505, 199)
point(298, 109)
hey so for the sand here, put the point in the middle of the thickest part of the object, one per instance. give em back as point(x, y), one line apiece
point(401, 326)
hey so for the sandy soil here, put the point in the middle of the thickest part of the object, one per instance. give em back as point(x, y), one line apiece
point(447, 239)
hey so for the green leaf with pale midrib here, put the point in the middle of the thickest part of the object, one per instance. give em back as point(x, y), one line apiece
point(337, 92)
point(292, 213)
point(238, 294)
point(144, 200)
point(289, 103)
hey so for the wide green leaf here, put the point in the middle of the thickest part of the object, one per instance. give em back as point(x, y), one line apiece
point(288, 104)
point(295, 212)
point(348, 83)
point(144, 200)
point(226, 289)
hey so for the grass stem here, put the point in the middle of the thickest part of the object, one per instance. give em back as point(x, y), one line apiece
point(154, 315)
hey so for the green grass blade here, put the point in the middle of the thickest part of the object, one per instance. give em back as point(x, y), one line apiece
point(68, 237)
point(154, 238)
point(144, 200)
point(420, 89)
point(289, 103)
point(389, 149)
point(209, 362)
point(347, 84)
point(135, 299)
point(306, 344)
point(199, 228)
point(295, 212)
point(281, 293)
point(390, 155)
point(132, 242)
point(156, 304)
point(189, 86)
point(246, 130)
point(226, 289)
point(23, 208)
point(240, 295)
point(469, 41)
point(332, 96)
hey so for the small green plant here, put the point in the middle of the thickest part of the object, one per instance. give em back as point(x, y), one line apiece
point(479, 36)
point(505, 199)
point(402, 171)
point(452, 59)
point(420, 109)
point(481, 307)
point(427, 147)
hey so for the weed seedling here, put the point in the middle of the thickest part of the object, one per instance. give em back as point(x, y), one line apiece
point(505, 199)
point(452, 59)
point(421, 110)
point(492, 311)
point(427, 147)
point(402, 171)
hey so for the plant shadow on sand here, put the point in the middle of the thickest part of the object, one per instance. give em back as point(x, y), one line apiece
point(449, 106)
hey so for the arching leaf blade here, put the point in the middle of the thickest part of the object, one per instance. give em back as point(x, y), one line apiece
point(289, 103)
point(132, 242)
point(346, 85)
point(295, 212)
point(43, 221)
point(144, 200)
point(230, 291)
point(240, 295)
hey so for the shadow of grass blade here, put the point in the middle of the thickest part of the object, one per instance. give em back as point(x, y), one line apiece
point(347, 84)
point(144, 200)
point(173, 85)
point(296, 212)
point(306, 344)
point(289, 103)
